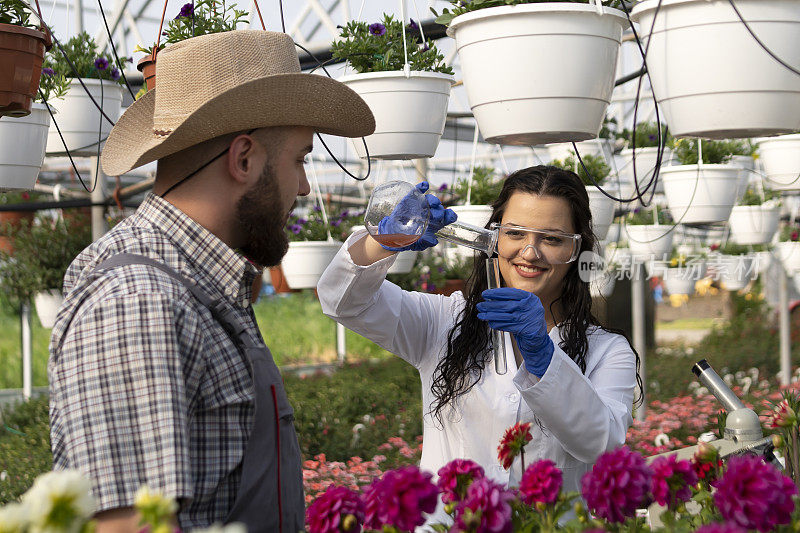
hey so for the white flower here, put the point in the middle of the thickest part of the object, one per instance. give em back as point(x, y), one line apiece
point(149, 501)
point(234, 527)
point(661, 440)
point(59, 502)
point(13, 518)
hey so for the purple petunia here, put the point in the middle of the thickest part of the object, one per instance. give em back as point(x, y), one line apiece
point(652, 137)
point(443, 187)
point(748, 488)
point(115, 75)
point(302, 221)
point(187, 11)
point(337, 509)
point(413, 26)
point(47, 71)
point(296, 229)
point(619, 483)
point(377, 29)
point(101, 63)
point(399, 498)
point(541, 482)
point(672, 480)
point(485, 508)
point(455, 478)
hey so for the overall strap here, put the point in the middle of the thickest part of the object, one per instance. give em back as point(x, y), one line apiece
point(224, 315)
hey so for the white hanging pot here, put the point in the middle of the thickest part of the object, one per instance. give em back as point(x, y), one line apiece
point(700, 194)
point(79, 119)
point(748, 166)
point(734, 271)
point(595, 147)
point(754, 224)
point(22, 144)
point(477, 215)
point(603, 286)
point(650, 241)
point(788, 253)
point(646, 159)
point(539, 73)
point(780, 157)
point(679, 280)
point(47, 305)
point(409, 112)
point(711, 78)
point(602, 208)
point(305, 262)
point(762, 261)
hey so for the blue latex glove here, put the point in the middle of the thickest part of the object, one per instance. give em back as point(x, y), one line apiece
point(521, 313)
point(440, 217)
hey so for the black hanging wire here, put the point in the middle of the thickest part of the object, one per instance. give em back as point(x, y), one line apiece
point(760, 42)
point(283, 21)
point(114, 50)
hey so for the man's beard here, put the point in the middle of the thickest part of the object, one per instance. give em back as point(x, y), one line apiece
point(262, 219)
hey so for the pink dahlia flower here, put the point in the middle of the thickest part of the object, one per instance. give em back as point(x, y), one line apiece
point(336, 509)
point(455, 477)
point(399, 498)
point(720, 528)
point(672, 480)
point(514, 439)
point(485, 509)
point(754, 495)
point(541, 482)
point(619, 483)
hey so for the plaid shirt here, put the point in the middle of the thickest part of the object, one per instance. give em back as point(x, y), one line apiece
point(145, 386)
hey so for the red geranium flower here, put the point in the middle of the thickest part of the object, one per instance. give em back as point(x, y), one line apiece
point(512, 443)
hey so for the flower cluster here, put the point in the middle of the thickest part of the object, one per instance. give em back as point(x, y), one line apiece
point(399, 499)
point(85, 61)
point(619, 483)
point(311, 226)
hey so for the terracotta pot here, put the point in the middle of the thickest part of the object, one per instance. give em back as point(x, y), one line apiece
point(21, 55)
point(451, 286)
point(14, 219)
point(279, 280)
point(147, 66)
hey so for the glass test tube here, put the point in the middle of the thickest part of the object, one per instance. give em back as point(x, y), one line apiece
point(498, 342)
point(463, 234)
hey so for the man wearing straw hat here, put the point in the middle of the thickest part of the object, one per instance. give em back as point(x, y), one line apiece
point(158, 373)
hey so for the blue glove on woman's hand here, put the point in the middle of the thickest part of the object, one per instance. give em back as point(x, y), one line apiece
point(521, 313)
point(408, 207)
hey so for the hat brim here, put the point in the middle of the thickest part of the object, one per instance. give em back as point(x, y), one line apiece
point(318, 102)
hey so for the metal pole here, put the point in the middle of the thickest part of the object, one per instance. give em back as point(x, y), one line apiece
point(27, 356)
point(99, 223)
point(785, 333)
point(78, 16)
point(638, 324)
point(341, 346)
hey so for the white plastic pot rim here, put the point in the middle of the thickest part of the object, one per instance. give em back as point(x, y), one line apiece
point(397, 74)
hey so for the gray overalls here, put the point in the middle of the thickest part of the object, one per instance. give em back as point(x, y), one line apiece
point(270, 496)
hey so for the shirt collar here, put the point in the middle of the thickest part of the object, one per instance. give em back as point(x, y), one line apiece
point(218, 263)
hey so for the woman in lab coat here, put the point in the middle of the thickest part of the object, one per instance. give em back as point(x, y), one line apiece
point(572, 378)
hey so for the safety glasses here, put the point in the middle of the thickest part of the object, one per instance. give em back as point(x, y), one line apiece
point(553, 247)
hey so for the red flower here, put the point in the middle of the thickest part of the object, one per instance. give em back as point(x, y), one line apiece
point(541, 482)
point(783, 416)
point(512, 443)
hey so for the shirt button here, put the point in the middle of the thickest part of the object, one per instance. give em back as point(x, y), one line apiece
point(513, 397)
point(245, 302)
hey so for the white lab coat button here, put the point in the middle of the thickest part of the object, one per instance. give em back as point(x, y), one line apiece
point(513, 397)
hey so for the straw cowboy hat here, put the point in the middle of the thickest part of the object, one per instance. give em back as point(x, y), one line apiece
point(222, 83)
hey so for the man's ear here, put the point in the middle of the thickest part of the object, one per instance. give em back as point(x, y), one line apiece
point(244, 163)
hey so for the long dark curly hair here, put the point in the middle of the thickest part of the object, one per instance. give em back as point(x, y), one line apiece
point(468, 342)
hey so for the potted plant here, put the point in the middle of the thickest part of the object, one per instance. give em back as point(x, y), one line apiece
point(681, 272)
point(780, 157)
point(42, 252)
point(22, 48)
point(555, 61)
point(788, 249)
point(644, 157)
point(712, 79)
point(755, 219)
point(81, 123)
point(733, 266)
point(602, 206)
point(436, 274)
point(407, 86)
point(474, 193)
point(605, 145)
point(201, 18)
point(23, 140)
point(702, 193)
point(650, 233)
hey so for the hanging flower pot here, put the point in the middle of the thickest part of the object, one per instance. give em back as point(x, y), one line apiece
point(682, 280)
point(703, 194)
point(602, 208)
point(409, 112)
point(21, 56)
point(762, 261)
point(80, 122)
point(754, 224)
point(305, 262)
point(646, 159)
point(147, 66)
point(650, 241)
point(780, 157)
point(47, 306)
point(22, 144)
point(477, 215)
point(539, 73)
point(711, 78)
point(734, 271)
point(788, 253)
point(595, 147)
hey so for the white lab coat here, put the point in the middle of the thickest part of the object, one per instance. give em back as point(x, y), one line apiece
point(582, 415)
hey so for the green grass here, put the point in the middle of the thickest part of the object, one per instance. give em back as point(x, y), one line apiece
point(688, 323)
point(294, 328)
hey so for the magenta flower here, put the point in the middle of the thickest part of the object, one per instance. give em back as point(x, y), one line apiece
point(101, 63)
point(619, 483)
point(485, 509)
point(186, 11)
point(672, 480)
point(720, 528)
point(337, 509)
point(455, 478)
point(541, 482)
point(754, 495)
point(399, 499)
point(377, 29)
